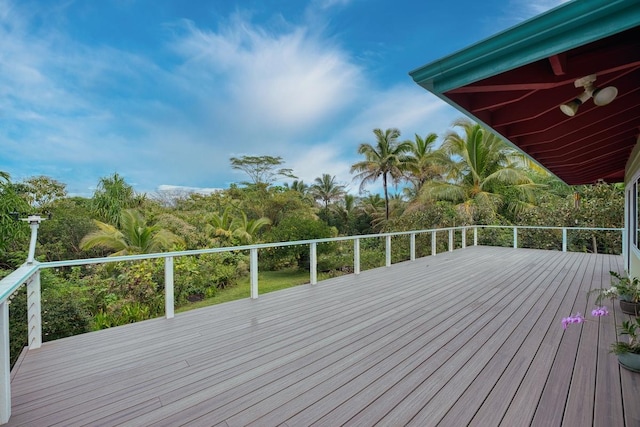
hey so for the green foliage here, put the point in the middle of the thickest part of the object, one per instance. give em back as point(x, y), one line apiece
point(232, 227)
point(292, 229)
point(599, 205)
point(630, 328)
point(178, 224)
point(13, 234)
point(204, 275)
point(428, 163)
point(65, 312)
point(41, 191)
point(627, 288)
point(129, 312)
point(422, 217)
point(263, 170)
point(134, 237)
point(388, 160)
point(115, 294)
point(111, 197)
point(59, 237)
point(481, 170)
point(326, 189)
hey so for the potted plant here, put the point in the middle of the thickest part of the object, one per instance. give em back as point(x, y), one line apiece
point(626, 289)
point(628, 352)
point(628, 293)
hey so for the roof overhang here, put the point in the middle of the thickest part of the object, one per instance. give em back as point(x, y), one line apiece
point(515, 81)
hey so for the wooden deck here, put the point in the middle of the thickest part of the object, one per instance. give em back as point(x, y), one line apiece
point(471, 337)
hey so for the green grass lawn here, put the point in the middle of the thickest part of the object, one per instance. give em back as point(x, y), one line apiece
point(268, 281)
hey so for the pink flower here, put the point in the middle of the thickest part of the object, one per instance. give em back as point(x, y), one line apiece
point(578, 318)
point(600, 311)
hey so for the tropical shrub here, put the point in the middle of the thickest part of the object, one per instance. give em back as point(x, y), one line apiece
point(293, 229)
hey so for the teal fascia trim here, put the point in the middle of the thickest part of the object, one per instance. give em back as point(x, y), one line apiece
point(558, 30)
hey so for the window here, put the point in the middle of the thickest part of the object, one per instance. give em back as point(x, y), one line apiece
point(635, 225)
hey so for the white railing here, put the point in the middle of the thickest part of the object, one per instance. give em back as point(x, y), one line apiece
point(29, 274)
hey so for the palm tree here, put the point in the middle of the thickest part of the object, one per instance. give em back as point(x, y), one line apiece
point(112, 195)
point(483, 168)
point(388, 159)
point(345, 210)
point(374, 207)
point(299, 186)
point(134, 237)
point(428, 163)
point(226, 226)
point(326, 188)
point(245, 229)
point(220, 225)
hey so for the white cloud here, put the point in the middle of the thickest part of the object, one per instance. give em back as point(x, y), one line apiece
point(288, 82)
point(311, 163)
point(520, 10)
point(539, 6)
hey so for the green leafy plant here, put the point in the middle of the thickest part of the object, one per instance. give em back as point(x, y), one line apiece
point(628, 288)
point(625, 288)
point(631, 328)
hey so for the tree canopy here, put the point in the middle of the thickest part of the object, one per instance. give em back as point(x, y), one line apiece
point(262, 170)
point(387, 159)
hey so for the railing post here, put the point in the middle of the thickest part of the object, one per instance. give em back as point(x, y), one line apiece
point(356, 256)
point(169, 301)
point(564, 239)
point(5, 366)
point(475, 236)
point(433, 243)
point(387, 246)
point(34, 311)
point(464, 237)
point(253, 269)
point(412, 246)
point(451, 240)
point(34, 222)
point(313, 261)
point(515, 237)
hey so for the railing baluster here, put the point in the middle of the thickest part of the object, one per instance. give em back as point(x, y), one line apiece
point(412, 246)
point(475, 236)
point(451, 240)
point(356, 256)
point(564, 239)
point(515, 237)
point(464, 237)
point(253, 268)
point(313, 261)
point(387, 251)
point(5, 367)
point(169, 300)
point(34, 311)
point(433, 243)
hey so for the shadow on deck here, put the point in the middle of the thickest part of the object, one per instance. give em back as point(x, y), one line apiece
point(470, 337)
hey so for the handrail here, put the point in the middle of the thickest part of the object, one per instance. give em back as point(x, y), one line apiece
point(29, 273)
point(10, 283)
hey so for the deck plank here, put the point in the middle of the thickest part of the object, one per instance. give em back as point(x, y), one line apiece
point(388, 346)
point(554, 360)
point(508, 365)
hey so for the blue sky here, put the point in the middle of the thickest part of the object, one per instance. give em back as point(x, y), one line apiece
point(164, 92)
